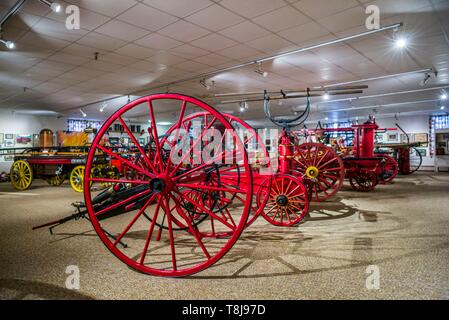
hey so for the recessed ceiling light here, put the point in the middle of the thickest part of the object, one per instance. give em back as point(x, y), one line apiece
point(442, 107)
point(443, 96)
point(326, 96)
point(326, 118)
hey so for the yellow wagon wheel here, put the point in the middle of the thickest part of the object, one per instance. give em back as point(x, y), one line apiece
point(56, 180)
point(112, 173)
point(21, 175)
point(77, 178)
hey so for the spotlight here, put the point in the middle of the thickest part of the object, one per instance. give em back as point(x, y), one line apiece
point(260, 71)
point(8, 44)
point(327, 118)
point(401, 43)
point(204, 84)
point(83, 113)
point(326, 96)
point(442, 107)
point(443, 96)
point(243, 106)
point(54, 6)
point(103, 107)
point(425, 80)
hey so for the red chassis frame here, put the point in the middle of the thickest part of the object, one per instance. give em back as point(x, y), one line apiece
point(364, 168)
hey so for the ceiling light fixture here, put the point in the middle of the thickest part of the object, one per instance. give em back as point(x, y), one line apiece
point(442, 107)
point(326, 96)
point(401, 43)
point(243, 106)
point(103, 107)
point(204, 84)
point(83, 113)
point(443, 96)
point(425, 80)
point(8, 44)
point(260, 71)
point(54, 6)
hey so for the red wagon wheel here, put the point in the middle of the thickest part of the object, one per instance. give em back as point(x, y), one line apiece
point(219, 202)
point(363, 180)
point(390, 169)
point(147, 210)
point(322, 167)
point(287, 201)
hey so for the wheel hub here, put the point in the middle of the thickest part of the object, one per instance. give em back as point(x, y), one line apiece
point(282, 200)
point(312, 172)
point(157, 185)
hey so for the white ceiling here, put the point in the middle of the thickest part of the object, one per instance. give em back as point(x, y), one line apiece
point(146, 43)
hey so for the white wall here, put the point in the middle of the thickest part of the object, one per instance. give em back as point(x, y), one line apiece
point(13, 123)
point(27, 124)
point(412, 124)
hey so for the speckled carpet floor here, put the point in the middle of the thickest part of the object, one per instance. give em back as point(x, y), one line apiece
point(401, 229)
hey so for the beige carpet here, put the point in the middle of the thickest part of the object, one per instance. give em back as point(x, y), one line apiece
point(402, 229)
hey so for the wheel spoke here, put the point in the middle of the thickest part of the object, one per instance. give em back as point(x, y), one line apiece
point(141, 170)
point(170, 231)
point(209, 212)
point(123, 202)
point(192, 230)
point(136, 143)
point(142, 210)
point(150, 232)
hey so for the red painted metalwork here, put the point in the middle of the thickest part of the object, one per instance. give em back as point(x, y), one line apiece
point(321, 167)
point(180, 200)
point(363, 167)
point(287, 202)
point(390, 169)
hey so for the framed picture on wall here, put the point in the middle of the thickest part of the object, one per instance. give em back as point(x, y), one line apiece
point(421, 151)
point(422, 138)
point(380, 137)
point(393, 137)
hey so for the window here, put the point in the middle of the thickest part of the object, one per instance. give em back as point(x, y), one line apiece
point(74, 125)
point(440, 122)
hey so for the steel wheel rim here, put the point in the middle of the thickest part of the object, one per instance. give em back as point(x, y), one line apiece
point(163, 205)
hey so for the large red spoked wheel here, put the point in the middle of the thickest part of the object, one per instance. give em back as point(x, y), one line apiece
point(287, 201)
point(389, 168)
point(322, 167)
point(157, 222)
point(363, 180)
point(220, 202)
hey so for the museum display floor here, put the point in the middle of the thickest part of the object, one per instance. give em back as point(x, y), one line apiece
point(401, 229)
